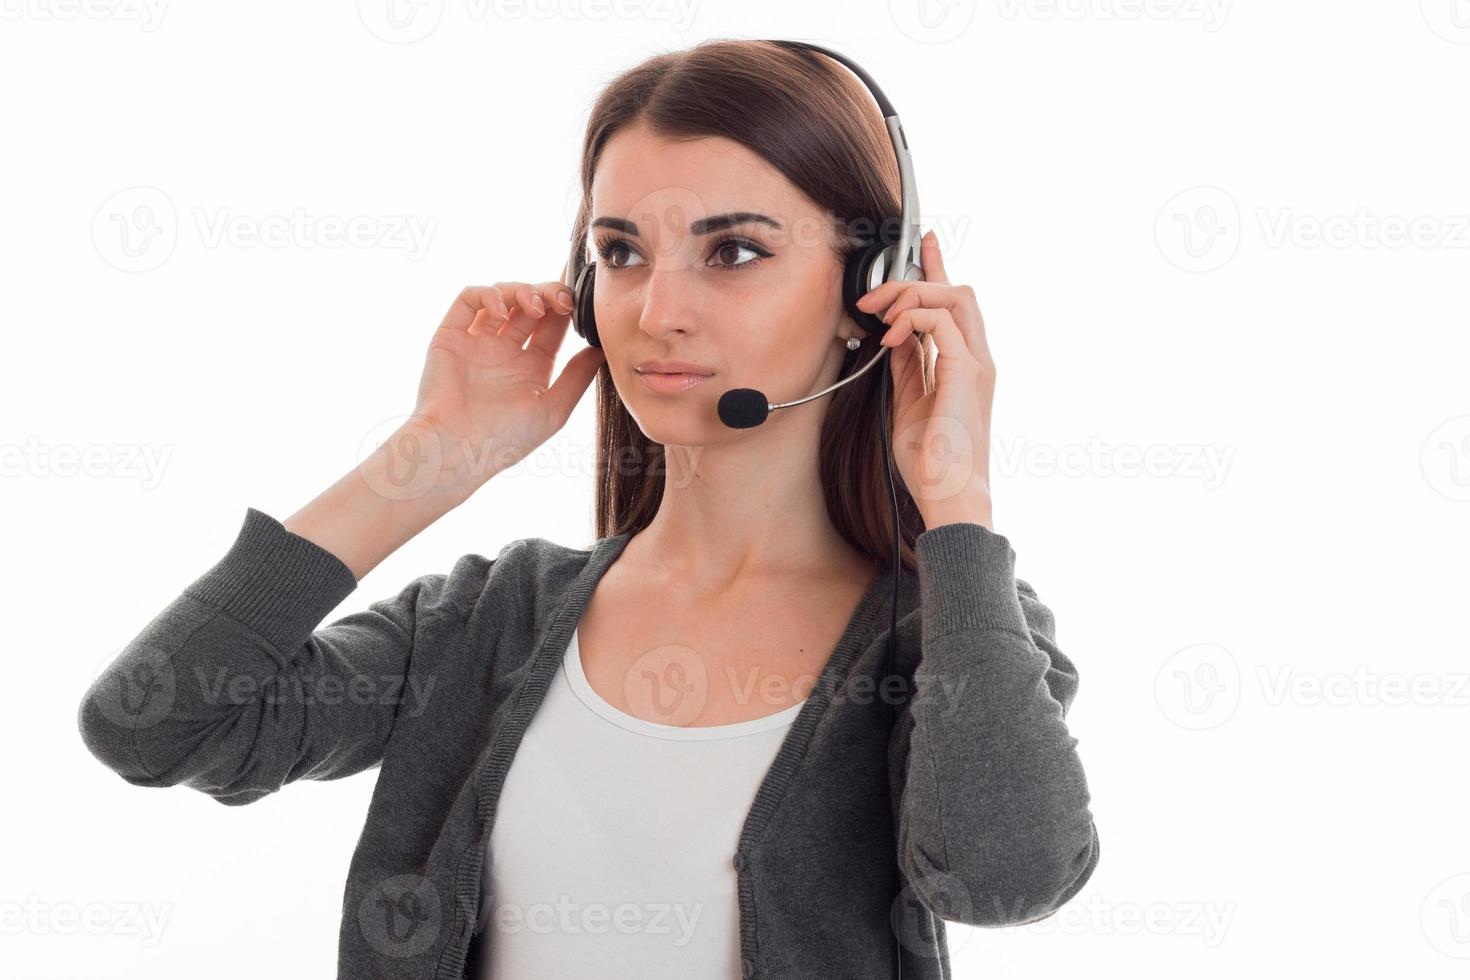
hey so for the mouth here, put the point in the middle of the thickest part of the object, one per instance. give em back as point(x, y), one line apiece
point(671, 381)
point(672, 376)
point(673, 367)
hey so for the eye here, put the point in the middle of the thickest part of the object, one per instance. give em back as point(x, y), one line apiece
point(729, 245)
point(729, 248)
point(607, 246)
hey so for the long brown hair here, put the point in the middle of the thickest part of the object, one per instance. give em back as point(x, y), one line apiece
point(817, 124)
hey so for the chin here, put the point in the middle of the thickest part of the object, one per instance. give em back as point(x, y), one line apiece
point(681, 422)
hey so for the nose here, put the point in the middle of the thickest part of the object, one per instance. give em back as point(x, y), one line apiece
point(671, 303)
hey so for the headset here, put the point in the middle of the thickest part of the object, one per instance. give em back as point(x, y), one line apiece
point(889, 254)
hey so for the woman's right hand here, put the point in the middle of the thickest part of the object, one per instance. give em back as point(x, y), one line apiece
point(488, 401)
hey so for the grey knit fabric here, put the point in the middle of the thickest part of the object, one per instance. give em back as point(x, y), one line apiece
point(233, 690)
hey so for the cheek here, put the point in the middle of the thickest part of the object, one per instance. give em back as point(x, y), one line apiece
point(788, 322)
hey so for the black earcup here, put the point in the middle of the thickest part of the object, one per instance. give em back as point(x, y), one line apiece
point(584, 321)
point(857, 281)
point(865, 271)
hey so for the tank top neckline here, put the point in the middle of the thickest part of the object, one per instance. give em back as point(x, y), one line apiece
point(582, 688)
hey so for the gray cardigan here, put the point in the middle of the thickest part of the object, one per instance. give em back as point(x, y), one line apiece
point(233, 690)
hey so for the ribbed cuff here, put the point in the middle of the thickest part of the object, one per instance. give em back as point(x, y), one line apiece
point(967, 580)
point(279, 584)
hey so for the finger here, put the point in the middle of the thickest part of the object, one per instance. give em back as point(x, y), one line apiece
point(948, 340)
point(548, 333)
point(467, 305)
point(568, 387)
point(528, 308)
point(524, 297)
point(966, 310)
point(958, 300)
point(558, 297)
point(883, 294)
point(556, 302)
point(485, 324)
point(930, 258)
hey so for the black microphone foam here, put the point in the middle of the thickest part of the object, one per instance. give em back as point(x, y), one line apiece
point(743, 408)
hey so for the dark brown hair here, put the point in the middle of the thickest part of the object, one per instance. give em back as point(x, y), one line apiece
point(816, 123)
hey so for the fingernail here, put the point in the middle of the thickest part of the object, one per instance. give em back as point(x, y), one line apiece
point(537, 305)
point(501, 311)
point(564, 299)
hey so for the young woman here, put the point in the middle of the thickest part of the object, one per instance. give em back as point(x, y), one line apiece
point(665, 755)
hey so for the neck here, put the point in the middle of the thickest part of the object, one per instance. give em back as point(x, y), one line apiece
point(748, 509)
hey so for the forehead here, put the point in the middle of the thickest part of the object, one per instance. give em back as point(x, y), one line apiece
point(668, 183)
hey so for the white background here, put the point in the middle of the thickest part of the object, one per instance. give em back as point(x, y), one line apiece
point(1228, 240)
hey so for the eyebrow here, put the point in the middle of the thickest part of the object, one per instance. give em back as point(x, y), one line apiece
point(704, 226)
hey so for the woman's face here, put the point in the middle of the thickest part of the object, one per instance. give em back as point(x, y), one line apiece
point(755, 302)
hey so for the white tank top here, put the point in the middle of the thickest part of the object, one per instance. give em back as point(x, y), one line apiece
point(610, 855)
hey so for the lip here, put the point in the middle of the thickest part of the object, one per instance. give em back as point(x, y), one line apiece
point(673, 367)
point(671, 383)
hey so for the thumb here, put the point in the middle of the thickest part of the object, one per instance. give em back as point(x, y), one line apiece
point(568, 387)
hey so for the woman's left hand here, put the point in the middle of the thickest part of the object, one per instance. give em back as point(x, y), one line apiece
point(941, 438)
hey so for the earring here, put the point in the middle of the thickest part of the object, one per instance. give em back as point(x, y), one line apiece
point(853, 343)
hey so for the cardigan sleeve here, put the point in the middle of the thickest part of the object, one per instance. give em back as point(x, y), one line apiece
point(229, 691)
point(990, 796)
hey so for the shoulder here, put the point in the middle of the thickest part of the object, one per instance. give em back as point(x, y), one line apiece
point(532, 566)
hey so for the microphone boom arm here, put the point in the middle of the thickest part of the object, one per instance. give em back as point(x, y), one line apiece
point(772, 406)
